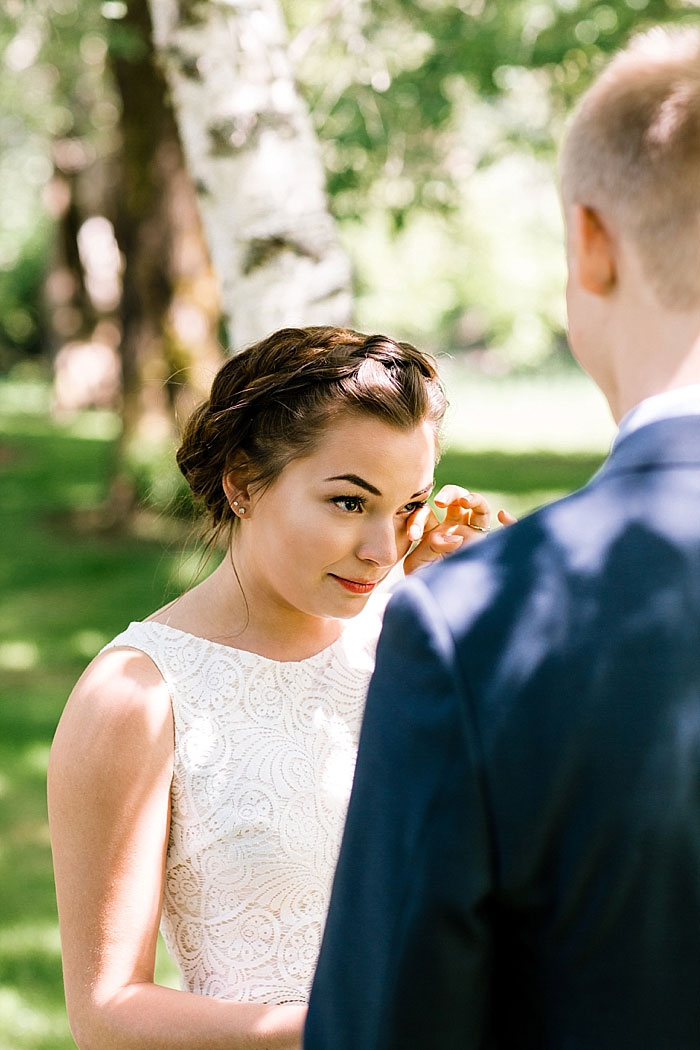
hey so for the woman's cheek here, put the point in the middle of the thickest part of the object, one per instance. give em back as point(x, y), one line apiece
point(403, 544)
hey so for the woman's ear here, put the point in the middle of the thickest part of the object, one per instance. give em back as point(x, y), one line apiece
point(594, 251)
point(236, 492)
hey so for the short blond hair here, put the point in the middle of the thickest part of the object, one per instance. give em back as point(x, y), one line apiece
point(633, 153)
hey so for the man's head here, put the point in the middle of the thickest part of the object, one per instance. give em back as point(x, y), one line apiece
point(630, 177)
point(633, 155)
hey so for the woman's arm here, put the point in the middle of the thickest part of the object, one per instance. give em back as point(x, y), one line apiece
point(109, 809)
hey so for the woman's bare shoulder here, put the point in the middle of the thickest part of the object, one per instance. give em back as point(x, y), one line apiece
point(120, 702)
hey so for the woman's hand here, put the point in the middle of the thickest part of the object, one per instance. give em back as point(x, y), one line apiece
point(467, 519)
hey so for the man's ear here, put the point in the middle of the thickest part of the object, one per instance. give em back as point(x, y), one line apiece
point(594, 251)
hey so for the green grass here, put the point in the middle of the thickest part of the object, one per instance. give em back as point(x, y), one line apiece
point(64, 595)
point(522, 441)
point(66, 592)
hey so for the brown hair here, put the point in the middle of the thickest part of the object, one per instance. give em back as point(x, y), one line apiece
point(633, 154)
point(270, 403)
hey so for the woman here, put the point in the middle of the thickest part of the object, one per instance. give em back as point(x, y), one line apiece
point(203, 763)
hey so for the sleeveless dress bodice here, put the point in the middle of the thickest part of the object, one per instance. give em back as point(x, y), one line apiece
point(264, 757)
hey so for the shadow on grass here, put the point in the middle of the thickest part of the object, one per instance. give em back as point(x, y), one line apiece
point(66, 594)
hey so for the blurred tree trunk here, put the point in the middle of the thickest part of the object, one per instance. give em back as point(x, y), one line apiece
point(82, 285)
point(167, 267)
point(255, 161)
point(170, 311)
point(69, 313)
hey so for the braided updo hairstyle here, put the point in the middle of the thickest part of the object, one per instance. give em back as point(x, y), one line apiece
point(270, 404)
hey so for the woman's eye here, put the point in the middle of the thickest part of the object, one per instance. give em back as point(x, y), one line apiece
point(416, 505)
point(351, 504)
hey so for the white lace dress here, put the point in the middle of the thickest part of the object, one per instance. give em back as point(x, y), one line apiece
point(263, 765)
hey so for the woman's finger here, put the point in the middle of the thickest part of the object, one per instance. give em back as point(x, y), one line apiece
point(466, 521)
point(453, 495)
point(418, 521)
point(457, 500)
point(481, 510)
point(505, 518)
point(433, 546)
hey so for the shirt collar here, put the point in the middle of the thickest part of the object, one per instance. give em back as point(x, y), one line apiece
point(684, 401)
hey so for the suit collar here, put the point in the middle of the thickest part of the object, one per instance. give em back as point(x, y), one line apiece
point(666, 442)
point(680, 401)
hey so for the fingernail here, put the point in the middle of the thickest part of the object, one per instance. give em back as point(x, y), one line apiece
point(414, 533)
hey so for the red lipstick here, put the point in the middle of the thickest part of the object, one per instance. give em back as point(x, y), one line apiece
point(354, 586)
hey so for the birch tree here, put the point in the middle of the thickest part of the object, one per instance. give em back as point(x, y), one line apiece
point(253, 154)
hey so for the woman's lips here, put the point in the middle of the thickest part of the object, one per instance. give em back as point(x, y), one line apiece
point(355, 586)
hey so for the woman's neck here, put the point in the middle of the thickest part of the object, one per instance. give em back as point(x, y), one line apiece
point(221, 609)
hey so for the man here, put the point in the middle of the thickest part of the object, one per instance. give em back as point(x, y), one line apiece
point(521, 864)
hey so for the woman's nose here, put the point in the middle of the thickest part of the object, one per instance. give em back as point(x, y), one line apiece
point(381, 544)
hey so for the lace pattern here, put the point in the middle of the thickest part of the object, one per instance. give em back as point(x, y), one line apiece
point(263, 765)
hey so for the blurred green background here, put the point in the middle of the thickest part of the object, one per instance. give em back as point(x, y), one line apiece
point(438, 124)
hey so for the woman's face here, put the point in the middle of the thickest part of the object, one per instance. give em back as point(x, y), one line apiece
point(331, 526)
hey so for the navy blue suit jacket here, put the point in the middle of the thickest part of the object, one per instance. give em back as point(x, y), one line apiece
point(521, 863)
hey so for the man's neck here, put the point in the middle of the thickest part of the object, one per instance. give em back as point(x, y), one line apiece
point(664, 357)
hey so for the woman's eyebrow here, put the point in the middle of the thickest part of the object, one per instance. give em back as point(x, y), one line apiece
point(356, 480)
point(361, 483)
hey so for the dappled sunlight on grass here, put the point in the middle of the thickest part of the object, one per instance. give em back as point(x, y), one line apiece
point(36, 758)
point(18, 656)
point(189, 567)
point(30, 956)
point(64, 595)
point(37, 937)
point(82, 495)
point(97, 423)
point(31, 1023)
point(88, 643)
point(25, 397)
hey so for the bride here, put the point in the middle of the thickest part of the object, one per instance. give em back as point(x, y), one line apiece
point(201, 769)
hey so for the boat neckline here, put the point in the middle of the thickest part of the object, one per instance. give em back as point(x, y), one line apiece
point(327, 650)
